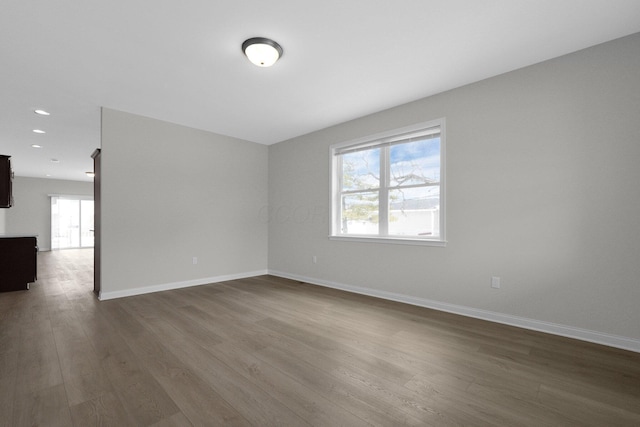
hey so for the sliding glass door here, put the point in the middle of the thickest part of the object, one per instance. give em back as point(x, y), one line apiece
point(86, 223)
point(71, 222)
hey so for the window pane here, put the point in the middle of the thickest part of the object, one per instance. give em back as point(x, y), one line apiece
point(65, 220)
point(360, 213)
point(416, 162)
point(361, 170)
point(86, 219)
point(415, 212)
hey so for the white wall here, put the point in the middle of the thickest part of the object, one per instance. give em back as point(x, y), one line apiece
point(171, 193)
point(31, 212)
point(542, 190)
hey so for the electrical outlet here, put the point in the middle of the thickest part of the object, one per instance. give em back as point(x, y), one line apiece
point(315, 259)
point(195, 260)
point(495, 282)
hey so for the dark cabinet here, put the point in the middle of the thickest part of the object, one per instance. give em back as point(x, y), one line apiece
point(18, 262)
point(6, 175)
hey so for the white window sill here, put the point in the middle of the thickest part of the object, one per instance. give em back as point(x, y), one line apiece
point(390, 240)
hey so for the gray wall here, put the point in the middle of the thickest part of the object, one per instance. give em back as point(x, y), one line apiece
point(31, 212)
point(542, 190)
point(171, 193)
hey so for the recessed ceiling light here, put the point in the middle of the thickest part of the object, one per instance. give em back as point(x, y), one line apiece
point(55, 161)
point(48, 175)
point(90, 174)
point(261, 51)
point(42, 112)
point(38, 131)
point(36, 146)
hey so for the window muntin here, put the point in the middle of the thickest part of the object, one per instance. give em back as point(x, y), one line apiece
point(390, 186)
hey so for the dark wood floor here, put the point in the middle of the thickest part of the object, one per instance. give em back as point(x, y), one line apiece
point(273, 352)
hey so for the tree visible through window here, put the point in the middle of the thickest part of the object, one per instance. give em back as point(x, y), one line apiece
point(390, 186)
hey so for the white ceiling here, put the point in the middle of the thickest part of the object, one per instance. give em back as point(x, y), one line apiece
point(180, 61)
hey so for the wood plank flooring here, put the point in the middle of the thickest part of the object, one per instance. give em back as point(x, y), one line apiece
point(267, 351)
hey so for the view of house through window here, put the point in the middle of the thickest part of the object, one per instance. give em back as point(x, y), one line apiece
point(390, 186)
point(71, 222)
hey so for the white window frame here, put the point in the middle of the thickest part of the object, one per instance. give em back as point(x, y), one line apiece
point(385, 139)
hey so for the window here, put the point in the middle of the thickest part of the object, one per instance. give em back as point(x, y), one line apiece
point(390, 187)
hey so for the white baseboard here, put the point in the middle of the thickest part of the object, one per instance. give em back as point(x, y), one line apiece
point(522, 322)
point(103, 296)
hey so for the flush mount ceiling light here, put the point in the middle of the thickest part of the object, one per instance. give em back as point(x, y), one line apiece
point(42, 112)
point(261, 51)
point(38, 131)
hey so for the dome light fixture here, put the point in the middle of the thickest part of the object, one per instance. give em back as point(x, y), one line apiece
point(261, 51)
